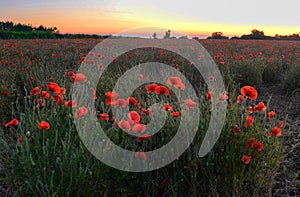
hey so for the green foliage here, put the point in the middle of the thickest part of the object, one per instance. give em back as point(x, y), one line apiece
point(55, 162)
point(291, 80)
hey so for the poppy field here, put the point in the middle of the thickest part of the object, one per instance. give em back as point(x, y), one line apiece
point(41, 153)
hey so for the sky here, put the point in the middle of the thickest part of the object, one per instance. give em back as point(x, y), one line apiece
point(191, 17)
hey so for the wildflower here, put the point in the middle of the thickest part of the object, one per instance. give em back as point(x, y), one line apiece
point(280, 124)
point(13, 122)
point(259, 146)
point(20, 139)
point(223, 96)
point(145, 111)
point(175, 114)
point(271, 114)
point(176, 82)
point(53, 87)
point(168, 108)
point(110, 97)
point(250, 144)
point(144, 137)
point(4, 92)
point(70, 103)
point(43, 125)
point(45, 95)
point(249, 121)
point(246, 159)
point(209, 95)
point(124, 124)
point(276, 131)
point(104, 117)
point(141, 77)
point(79, 113)
point(120, 102)
point(164, 182)
point(40, 102)
point(140, 155)
point(161, 90)
point(139, 128)
point(133, 117)
point(240, 98)
point(151, 87)
point(261, 107)
point(35, 91)
point(249, 92)
point(132, 101)
point(78, 78)
point(190, 103)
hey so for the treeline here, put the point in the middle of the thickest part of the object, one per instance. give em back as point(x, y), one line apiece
point(10, 30)
point(256, 35)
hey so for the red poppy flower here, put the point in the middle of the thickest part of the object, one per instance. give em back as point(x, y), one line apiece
point(4, 92)
point(168, 108)
point(276, 131)
point(246, 159)
point(124, 124)
point(95, 95)
point(111, 97)
point(104, 117)
point(59, 99)
point(40, 102)
point(120, 102)
point(43, 125)
point(53, 87)
point(261, 107)
point(176, 82)
point(271, 114)
point(78, 78)
point(209, 95)
point(20, 139)
point(250, 92)
point(259, 146)
point(133, 117)
point(35, 91)
point(13, 122)
point(151, 87)
point(190, 103)
point(70, 103)
point(280, 124)
point(141, 77)
point(45, 95)
point(132, 101)
point(223, 96)
point(146, 112)
point(79, 113)
point(144, 137)
point(161, 90)
point(139, 128)
point(250, 144)
point(175, 114)
point(164, 183)
point(140, 155)
point(222, 63)
point(249, 121)
point(240, 98)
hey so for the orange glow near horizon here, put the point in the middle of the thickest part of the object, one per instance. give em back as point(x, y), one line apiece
point(97, 21)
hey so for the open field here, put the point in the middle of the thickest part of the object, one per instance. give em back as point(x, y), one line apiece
point(42, 154)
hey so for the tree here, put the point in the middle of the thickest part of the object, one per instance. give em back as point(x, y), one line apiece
point(168, 34)
point(217, 35)
point(154, 35)
point(256, 34)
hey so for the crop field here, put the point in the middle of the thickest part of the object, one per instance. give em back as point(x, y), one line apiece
point(42, 153)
